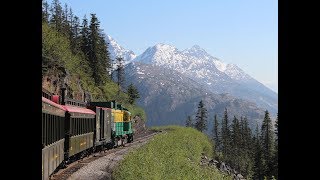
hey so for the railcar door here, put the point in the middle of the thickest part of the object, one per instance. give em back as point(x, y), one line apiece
point(107, 129)
point(97, 124)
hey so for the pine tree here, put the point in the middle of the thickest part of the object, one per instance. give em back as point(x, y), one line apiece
point(275, 156)
point(276, 128)
point(94, 48)
point(235, 142)
point(225, 132)
point(132, 93)
point(267, 141)
point(45, 11)
point(201, 117)
point(259, 163)
point(215, 133)
point(189, 122)
point(56, 15)
point(93, 43)
point(120, 73)
point(75, 37)
point(65, 24)
point(84, 37)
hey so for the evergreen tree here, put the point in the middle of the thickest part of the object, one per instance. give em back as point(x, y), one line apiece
point(267, 141)
point(259, 163)
point(56, 15)
point(45, 11)
point(201, 117)
point(189, 122)
point(216, 133)
point(276, 128)
point(120, 73)
point(225, 132)
point(275, 156)
point(93, 43)
point(235, 143)
point(65, 26)
point(132, 93)
point(94, 48)
point(84, 38)
point(75, 37)
point(104, 57)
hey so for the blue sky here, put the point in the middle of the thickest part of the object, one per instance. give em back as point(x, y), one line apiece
point(243, 32)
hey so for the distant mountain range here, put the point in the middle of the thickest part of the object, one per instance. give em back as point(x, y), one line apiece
point(171, 83)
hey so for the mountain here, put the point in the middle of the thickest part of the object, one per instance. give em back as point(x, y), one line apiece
point(118, 51)
point(169, 96)
point(172, 82)
point(211, 73)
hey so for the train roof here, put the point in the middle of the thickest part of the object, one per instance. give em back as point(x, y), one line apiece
point(79, 110)
point(53, 103)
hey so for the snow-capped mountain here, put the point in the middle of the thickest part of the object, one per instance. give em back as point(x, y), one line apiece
point(168, 96)
point(118, 51)
point(212, 73)
point(195, 63)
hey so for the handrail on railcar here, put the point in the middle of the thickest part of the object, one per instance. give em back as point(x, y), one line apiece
point(46, 93)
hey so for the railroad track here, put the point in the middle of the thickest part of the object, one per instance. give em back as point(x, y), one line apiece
point(64, 174)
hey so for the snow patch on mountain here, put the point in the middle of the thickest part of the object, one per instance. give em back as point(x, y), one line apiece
point(116, 50)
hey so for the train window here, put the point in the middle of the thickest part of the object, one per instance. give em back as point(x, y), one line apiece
point(44, 126)
point(54, 128)
point(73, 124)
point(71, 127)
point(88, 125)
point(47, 129)
point(53, 134)
point(76, 126)
point(78, 121)
point(58, 127)
point(42, 131)
point(62, 127)
point(85, 125)
point(81, 126)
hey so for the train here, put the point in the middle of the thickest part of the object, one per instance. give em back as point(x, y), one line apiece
point(73, 129)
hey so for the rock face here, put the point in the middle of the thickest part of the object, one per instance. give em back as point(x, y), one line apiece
point(222, 166)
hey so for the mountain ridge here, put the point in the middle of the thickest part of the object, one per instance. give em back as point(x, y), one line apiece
point(199, 67)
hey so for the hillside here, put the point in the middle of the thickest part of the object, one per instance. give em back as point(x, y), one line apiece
point(63, 67)
point(168, 97)
point(167, 158)
point(213, 74)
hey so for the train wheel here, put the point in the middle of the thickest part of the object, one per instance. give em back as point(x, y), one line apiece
point(125, 140)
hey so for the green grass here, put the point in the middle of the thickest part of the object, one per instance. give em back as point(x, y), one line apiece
point(175, 154)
